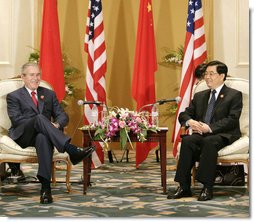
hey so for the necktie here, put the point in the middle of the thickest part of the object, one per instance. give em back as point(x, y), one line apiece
point(210, 107)
point(34, 99)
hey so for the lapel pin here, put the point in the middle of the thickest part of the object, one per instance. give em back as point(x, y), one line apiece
point(42, 97)
point(221, 96)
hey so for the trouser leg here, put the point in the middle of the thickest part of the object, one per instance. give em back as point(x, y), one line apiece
point(188, 155)
point(44, 150)
point(210, 146)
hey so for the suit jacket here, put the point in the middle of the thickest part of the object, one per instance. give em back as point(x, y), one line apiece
point(225, 116)
point(20, 108)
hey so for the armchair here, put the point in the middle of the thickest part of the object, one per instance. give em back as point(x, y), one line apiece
point(11, 151)
point(237, 152)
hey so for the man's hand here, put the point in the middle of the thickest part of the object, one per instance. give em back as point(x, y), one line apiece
point(56, 125)
point(199, 127)
point(206, 128)
point(196, 126)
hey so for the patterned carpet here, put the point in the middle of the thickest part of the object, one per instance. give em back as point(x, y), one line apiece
point(119, 190)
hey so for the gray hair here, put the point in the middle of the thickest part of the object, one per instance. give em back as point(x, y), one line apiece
point(28, 64)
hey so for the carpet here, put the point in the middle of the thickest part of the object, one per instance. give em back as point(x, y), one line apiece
point(119, 190)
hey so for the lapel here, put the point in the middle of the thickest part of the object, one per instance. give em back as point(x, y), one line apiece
point(28, 99)
point(40, 99)
point(205, 101)
point(219, 99)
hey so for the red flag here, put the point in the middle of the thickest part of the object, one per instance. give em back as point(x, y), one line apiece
point(143, 84)
point(50, 52)
point(194, 54)
point(96, 68)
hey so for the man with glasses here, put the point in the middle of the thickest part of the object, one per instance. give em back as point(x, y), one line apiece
point(213, 115)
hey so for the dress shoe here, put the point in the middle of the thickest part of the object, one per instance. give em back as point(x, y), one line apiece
point(19, 174)
point(14, 176)
point(205, 194)
point(180, 193)
point(46, 197)
point(80, 154)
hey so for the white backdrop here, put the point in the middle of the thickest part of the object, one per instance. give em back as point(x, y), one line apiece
point(17, 25)
point(231, 35)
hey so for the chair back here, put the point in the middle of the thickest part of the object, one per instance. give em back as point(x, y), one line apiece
point(7, 86)
point(241, 85)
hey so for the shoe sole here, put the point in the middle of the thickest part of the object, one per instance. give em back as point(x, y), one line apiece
point(46, 201)
point(90, 153)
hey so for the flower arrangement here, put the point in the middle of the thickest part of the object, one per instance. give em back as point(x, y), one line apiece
point(122, 121)
point(68, 72)
point(173, 57)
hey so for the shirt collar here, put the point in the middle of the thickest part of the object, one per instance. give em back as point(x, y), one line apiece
point(29, 91)
point(218, 89)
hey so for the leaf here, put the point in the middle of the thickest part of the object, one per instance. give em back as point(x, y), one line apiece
point(123, 138)
point(153, 130)
point(144, 132)
point(99, 133)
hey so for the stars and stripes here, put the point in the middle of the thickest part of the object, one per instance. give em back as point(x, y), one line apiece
point(96, 68)
point(194, 54)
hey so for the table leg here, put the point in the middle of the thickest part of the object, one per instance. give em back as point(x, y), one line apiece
point(86, 167)
point(163, 154)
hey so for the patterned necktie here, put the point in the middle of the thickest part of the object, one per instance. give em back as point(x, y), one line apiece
point(210, 107)
point(34, 99)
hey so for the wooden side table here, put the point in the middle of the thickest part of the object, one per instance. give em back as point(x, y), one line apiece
point(160, 137)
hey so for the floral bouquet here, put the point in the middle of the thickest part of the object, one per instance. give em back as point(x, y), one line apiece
point(122, 121)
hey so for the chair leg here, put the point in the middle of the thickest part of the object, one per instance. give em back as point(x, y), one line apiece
point(68, 175)
point(54, 173)
point(248, 178)
point(194, 175)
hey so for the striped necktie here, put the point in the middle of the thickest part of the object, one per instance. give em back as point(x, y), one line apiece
point(210, 107)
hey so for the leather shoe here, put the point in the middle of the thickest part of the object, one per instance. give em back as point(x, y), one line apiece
point(14, 175)
point(81, 153)
point(20, 175)
point(180, 193)
point(46, 197)
point(205, 194)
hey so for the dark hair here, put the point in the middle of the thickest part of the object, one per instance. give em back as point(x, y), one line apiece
point(221, 68)
point(200, 70)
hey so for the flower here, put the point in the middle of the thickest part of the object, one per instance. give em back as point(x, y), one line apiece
point(120, 121)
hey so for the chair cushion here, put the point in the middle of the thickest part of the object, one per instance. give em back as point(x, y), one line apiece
point(240, 146)
point(234, 157)
point(9, 147)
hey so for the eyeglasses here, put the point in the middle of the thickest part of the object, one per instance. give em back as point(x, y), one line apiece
point(210, 74)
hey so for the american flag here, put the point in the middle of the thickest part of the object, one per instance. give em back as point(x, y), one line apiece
point(96, 68)
point(194, 54)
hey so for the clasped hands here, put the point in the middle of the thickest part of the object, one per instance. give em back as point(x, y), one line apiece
point(199, 127)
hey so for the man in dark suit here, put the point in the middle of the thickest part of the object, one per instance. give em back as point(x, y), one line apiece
point(37, 120)
point(213, 116)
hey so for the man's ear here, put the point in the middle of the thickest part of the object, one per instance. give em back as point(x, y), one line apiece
point(22, 76)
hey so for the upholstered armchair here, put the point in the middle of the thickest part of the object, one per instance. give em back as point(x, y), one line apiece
point(11, 151)
point(237, 152)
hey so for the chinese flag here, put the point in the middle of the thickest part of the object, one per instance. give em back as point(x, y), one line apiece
point(50, 52)
point(143, 84)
